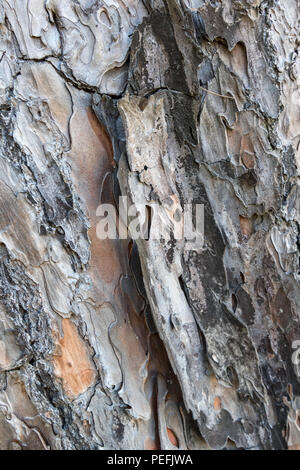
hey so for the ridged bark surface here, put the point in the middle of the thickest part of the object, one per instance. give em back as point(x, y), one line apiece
point(149, 344)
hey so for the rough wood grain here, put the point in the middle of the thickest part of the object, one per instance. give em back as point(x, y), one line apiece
point(116, 344)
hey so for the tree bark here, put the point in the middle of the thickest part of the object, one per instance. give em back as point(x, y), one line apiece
point(149, 344)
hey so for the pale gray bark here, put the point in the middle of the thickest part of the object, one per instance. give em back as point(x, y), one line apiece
point(121, 345)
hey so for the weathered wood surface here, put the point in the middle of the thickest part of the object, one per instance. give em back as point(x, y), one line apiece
point(110, 344)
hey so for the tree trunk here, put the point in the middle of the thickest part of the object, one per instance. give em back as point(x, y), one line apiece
point(149, 343)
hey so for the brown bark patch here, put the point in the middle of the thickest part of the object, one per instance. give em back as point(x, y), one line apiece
point(172, 438)
point(92, 163)
point(246, 226)
point(217, 403)
point(281, 309)
point(72, 363)
point(248, 160)
point(150, 444)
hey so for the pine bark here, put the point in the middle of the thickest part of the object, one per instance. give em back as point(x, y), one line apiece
point(149, 344)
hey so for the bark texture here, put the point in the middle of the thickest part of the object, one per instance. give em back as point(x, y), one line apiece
point(115, 344)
